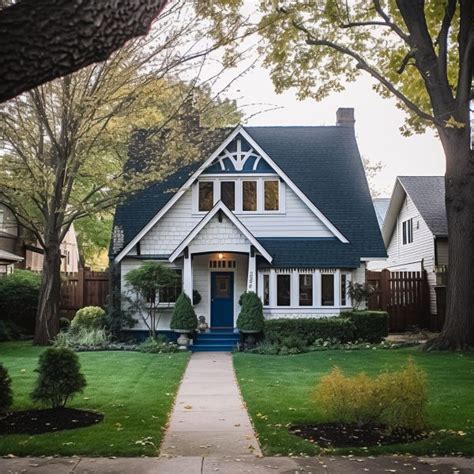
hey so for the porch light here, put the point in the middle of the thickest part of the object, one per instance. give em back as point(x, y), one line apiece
point(221, 256)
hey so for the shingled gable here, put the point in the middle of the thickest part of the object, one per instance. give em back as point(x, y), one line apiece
point(322, 164)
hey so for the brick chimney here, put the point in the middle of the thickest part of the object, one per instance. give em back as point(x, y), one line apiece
point(345, 117)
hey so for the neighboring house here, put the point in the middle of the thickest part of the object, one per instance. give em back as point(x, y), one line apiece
point(381, 207)
point(415, 230)
point(20, 249)
point(282, 211)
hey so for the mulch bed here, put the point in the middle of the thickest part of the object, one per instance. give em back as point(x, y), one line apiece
point(47, 421)
point(352, 435)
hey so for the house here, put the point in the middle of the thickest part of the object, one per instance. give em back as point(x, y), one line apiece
point(20, 249)
point(415, 230)
point(381, 207)
point(282, 211)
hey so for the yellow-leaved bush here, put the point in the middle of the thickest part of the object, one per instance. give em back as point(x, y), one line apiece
point(396, 399)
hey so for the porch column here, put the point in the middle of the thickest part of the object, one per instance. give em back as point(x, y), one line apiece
point(252, 274)
point(188, 274)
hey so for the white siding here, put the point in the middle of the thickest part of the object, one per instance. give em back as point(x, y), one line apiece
point(296, 221)
point(415, 256)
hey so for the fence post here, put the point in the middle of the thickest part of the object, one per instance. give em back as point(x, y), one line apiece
point(80, 287)
point(384, 289)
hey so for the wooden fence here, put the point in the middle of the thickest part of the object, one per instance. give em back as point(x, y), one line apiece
point(404, 295)
point(84, 288)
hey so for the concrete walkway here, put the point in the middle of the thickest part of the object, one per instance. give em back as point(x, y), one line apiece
point(238, 465)
point(209, 417)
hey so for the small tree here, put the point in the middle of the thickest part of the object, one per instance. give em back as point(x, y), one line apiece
point(251, 313)
point(359, 293)
point(89, 317)
point(184, 316)
point(145, 283)
point(6, 397)
point(59, 377)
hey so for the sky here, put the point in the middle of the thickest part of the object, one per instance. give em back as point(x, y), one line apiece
point(377, 124)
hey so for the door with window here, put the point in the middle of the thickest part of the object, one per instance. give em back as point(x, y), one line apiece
point(222, 300)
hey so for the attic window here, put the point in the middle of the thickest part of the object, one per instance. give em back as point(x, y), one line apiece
point(407, 231)
point(206, 195)
point(271, 195)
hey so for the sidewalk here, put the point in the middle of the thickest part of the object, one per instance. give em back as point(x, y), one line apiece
point(209, 417)
point(235, 465)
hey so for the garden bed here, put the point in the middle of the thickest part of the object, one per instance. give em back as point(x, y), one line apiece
point(47, 421)
point(349, 435)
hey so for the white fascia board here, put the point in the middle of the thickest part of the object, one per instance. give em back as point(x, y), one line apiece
point(295, 188)
point(220, 206)
point(396, 201)
point(178, 194)
point(372, 259)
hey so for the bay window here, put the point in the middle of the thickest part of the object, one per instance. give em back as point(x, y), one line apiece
point(306, 290)
point(170, 293)
point(327, 289)
point(343, 289)
point(283, 290)
point(266, 289)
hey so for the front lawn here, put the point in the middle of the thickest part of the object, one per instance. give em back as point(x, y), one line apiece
point(134, 391)
point(277, 390)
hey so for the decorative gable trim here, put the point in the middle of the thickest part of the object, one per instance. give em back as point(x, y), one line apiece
point(219, 208)
point(238, 130)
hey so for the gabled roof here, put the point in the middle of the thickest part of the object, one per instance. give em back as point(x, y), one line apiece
point(220, 207)
point(427, 194)
point(322, 162)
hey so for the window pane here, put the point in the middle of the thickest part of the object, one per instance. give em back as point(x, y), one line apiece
point(249, 195)
point(327, 290)
point(343, 289)
point(228, 194)
point(271, 195)
point(206, 195)
point(306, 290)
point(266, 290)
point(171, 293)
point(283, 290)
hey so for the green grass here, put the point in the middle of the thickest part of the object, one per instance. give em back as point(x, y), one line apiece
point(135, 392)
point(277, 390)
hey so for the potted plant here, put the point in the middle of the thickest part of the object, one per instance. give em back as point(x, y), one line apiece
point(184, 320)
point(202, 325)
point(250, 320)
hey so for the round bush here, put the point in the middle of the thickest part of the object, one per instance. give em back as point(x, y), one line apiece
point(6, 397)
point(184, 316)
point(90, 317)
point(251, 313)
point(59, 377)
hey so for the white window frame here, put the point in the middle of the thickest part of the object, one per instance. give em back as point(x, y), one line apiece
point(407, 231)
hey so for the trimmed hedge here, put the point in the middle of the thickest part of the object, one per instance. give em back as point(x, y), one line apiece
point(308, 330)
point(370, 326)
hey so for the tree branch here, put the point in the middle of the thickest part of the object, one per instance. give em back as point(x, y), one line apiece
point(393, 26)
point(442, 40)
point(466, 52)
point(56, 37)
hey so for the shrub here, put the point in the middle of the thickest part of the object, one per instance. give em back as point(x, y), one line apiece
point(90, 317)
point(6, 397)
point(83, 338)
point(395, 399)
point(9, 331)
point(370, 326)
point(309, 330)
point(184, 316)
point(359, 293)
point(158, 345)
point(59, 377)
point(18, 301)
point(64, 324)
point(251, 314)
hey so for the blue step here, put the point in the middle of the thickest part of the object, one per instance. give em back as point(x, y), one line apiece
point(222, 340)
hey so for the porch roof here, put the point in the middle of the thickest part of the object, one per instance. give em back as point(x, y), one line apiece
point(310, 253)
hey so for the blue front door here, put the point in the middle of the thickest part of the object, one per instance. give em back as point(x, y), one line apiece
point(222, 300)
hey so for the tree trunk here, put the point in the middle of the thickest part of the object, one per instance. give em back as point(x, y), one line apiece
point(47, 316)
point(458, 329)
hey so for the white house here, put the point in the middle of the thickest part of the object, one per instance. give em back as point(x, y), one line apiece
point(282, 211)
point(415, 230)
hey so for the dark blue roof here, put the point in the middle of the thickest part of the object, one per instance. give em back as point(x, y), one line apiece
point(310, 253)
point(325, 164)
